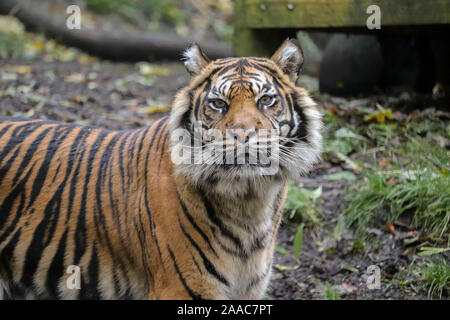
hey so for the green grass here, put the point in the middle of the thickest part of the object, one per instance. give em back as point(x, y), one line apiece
point(422, 192)
point(431, 276)
point(303, 205)
point(436, 277)
point(404, 170)
point(331, 293)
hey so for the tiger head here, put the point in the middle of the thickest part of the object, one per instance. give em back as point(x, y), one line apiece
point(237, 111)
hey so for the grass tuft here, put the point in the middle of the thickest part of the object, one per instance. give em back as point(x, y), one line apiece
point(431, 276)
point(303, 205)
point(436, 277)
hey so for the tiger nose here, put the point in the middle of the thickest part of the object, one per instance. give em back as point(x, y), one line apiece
point(243, 134)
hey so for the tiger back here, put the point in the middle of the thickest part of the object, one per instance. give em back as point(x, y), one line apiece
point(87, 213)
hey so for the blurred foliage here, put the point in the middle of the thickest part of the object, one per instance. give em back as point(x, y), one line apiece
point(431, 276)
point(10, 47)
point(187, 17)
point(16, 43)
point(167, 10)
point(126, 8)
point(303, 205)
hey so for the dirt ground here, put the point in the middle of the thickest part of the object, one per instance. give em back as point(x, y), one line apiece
point(118, 96)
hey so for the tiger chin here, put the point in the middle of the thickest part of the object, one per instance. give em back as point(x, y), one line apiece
point(87, 213)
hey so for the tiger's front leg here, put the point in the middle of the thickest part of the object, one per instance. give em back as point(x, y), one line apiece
point(195, 287)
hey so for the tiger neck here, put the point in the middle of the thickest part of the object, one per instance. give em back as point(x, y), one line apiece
point(249, 215)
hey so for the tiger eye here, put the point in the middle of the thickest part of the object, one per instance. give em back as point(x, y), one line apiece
point(218, 104)
point(265, 100)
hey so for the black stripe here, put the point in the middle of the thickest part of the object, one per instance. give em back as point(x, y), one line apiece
point(91, 290)
point(7, 204)
point(17, 136)
point(301, 132)
point(30, 153)
point(56, 269)
point(161, 156)
point(44, 232)
point(219, 223)
point(6, 255)
point(194, 224)
point(5, 168)
point(191, 293)
point(121, 167)
point(4, 130)
point(206, 262)
point(81, 138)
point(146, 200)
point(80, 232)
point(58, 137)
point(100, 222)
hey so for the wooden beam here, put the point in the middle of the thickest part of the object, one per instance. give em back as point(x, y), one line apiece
point(304, 14)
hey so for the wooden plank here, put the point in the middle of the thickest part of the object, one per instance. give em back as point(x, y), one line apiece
point(338, 13)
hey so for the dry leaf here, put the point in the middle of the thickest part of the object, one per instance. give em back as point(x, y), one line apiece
point(156, 109)
point(390, 227)
point(18, 69)
point(379, 116)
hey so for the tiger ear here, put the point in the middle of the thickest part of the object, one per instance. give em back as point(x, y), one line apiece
point(194, 59)
point(289, 57)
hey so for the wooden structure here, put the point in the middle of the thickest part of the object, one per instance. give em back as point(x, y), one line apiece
point(261, 25)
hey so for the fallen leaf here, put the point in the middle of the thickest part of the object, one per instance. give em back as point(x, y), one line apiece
point(75, 78)
point(379, 116)
point(390, 227)
point(347, 268)
point(38, 46)
point(344, 175)
point(20, 69)
point(147, 69)
point(152, 110)
point(332, 109)
point(298, 240)
point(282, 250)
point(286, 268)
point(428, 251)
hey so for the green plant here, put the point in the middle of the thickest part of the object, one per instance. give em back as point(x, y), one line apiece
point(167, 10)
point(331, 293)
point(436, 277)
point(303, 205)
point(125, 8)
point(424, 193)
point(431, 276)
point(11, 46)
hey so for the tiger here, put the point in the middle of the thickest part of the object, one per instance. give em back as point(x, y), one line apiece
point(87, 213)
